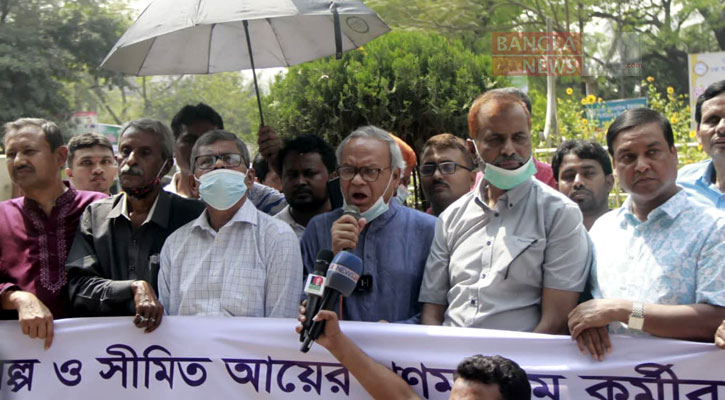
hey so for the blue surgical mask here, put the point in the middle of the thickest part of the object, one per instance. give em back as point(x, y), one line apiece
point(402, 194)
point(506, 179)
point(377, 209)
point(222, 188)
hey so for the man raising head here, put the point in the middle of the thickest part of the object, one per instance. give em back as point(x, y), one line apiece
point(446, 171)
point(306, 162)
point(114, 261)
point(370, 164)
point(37, 229)
point(512, 254)
point(705, 181)
point(233, 260)
point(91, 163)
point(659, 266)
point(584, 173)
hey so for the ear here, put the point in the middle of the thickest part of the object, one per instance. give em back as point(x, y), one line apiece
point(61, 156)
point(249, 180)
point(472, 151)
point(609, 179)
point(69, 172)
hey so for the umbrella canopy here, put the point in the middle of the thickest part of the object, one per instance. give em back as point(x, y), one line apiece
point(208, 36)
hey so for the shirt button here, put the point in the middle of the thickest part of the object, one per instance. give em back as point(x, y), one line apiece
point(132, 268)
point(495, 214)
point(483, 276)
point(488, 243)
point(473, 302)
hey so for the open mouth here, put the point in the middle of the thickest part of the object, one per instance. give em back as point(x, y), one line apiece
point(359, 197)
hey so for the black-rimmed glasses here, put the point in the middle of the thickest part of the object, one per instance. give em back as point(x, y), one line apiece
point(446, 168)
point(208, 161)
point(369, 174)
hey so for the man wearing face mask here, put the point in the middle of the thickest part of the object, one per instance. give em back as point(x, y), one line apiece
point(233, 260)
point(512, 254)
point(391, 240)
point(114, 262)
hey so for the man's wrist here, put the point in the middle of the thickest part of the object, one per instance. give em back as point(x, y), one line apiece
point(621, 310)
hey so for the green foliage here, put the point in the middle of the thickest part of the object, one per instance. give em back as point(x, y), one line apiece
point(413, 84)
point(46, 44)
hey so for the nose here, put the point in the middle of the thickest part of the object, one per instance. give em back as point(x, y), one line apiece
point(131, 159)
point(357, 179)
point(508, 148)
point(219, 164)
point(720, 128)
point(578, 181)
point(641, 164)
point(437, 172)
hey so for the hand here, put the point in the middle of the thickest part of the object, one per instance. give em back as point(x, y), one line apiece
point(149, 310)
point(345, 232)
point(720, 336)
point(595, 341)
point(35, 318)
point(595, 313)
point(269, 144)
point(302, 317)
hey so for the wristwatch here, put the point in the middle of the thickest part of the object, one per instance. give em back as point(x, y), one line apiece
point(636, 319)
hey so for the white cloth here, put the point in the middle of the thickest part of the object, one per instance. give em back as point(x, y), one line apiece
point(286, 216)
point(251, 267)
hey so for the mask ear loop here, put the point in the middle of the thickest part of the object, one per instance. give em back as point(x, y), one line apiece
point(157, 180)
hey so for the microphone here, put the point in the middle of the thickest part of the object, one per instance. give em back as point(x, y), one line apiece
point(355, 212)
point(341, 279)
point(314, 288)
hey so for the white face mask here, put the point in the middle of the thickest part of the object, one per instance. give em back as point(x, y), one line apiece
point(377, 209)
point(222, 188)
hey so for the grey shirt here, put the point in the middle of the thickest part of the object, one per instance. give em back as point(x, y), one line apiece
point(489, 265)
point(286, 216)
point(108, 254)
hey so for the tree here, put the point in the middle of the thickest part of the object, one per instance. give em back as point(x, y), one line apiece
point(412, 84)
point(47, 46)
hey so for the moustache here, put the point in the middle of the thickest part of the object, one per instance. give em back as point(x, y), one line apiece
point(133, 171)
point(514, 157)
point(24, 168)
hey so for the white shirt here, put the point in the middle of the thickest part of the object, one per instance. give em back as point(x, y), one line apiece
point(286, 216)
point(251, 267)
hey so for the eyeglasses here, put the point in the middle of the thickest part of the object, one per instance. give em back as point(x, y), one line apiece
point(446, 168)
point(369, 174)
point(208, 161)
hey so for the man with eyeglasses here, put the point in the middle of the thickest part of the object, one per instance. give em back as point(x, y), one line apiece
point(446, 171)
point(512, 254)
point(391, 240)
point(114, 262)
point(233, 260)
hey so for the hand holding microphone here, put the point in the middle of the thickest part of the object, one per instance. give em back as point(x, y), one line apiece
point(342, 277)
point(346, 230)
point(314, 288)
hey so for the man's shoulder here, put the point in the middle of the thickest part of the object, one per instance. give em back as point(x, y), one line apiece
point(694, 171)
point(417, 217)
point(325, 219)
point(180, 235)
point(104, 204)
point(183, 203)
point(550, 196)
point(273, 224)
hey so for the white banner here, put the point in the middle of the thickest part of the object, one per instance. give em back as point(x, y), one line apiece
point(251, 358)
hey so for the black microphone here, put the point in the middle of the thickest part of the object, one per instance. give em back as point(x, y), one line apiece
point(341, 279)
point(314, 288)
point(355, 212)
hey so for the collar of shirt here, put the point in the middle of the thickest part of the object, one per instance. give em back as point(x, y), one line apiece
point(669, 209)
point(65, 198)
point(708, 175)
point(511, 197)
point(246, 214)
point(159, 212)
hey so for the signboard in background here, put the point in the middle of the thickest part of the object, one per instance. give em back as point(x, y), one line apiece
point(607, 111)
point(84, 122)
point(704, 69)
point(111, 132)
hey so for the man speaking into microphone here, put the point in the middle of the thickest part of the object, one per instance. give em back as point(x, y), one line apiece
point(391, 240)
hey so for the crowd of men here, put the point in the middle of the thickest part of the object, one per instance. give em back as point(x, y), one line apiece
point(508, 242)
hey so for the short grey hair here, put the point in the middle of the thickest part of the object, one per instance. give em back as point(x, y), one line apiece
point(159, 129)
point(370, 131)
point(218, 135)
point(50, 130)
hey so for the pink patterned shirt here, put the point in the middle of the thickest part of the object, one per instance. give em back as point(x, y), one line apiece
point(34, 247)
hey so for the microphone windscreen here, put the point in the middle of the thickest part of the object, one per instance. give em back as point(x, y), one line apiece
point(322, 262)
point(344, 272)
point(352, 210)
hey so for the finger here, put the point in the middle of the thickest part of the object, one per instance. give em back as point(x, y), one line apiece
point(25, 327)
point(582, 346)
point(155, 319)
point(50, 333)
point(41, 330)
point(589, 341)
point(361, 224)
point(33, 330)
point(597, 344)
point(302, 318)
point(576, 330)
point(720, 342)
point(604, 335)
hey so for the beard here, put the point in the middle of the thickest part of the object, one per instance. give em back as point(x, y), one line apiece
point(306, 206)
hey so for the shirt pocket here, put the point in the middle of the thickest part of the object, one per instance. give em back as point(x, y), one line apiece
point(243, 291)
point(519, 259)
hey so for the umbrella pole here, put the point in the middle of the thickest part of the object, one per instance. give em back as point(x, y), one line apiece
point(254, 73)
